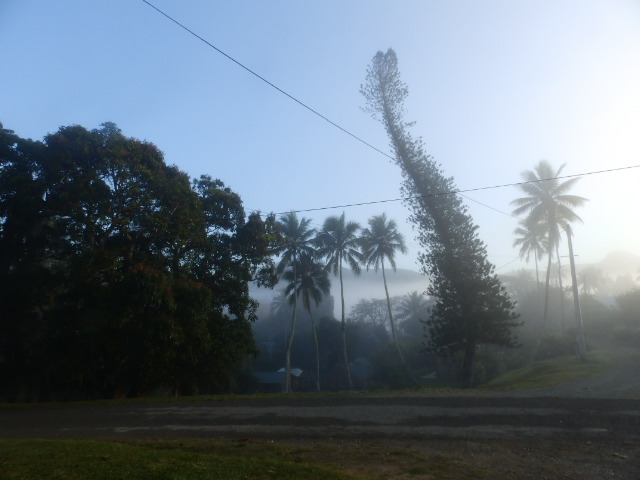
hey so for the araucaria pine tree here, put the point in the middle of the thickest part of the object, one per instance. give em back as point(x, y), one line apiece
point(471, 305)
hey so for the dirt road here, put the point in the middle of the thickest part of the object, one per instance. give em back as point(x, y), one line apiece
point(585, 430)
point(353, 416)
point(385, 436)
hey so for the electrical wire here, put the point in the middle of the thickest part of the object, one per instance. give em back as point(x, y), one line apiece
point(271, 84)
point(460, 192)
point(507, 264)
point(344, 130)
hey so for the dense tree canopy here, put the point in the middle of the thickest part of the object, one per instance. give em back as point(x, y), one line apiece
point(118, 275)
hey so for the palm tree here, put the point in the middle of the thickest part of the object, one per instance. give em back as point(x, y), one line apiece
point(592, 280)
point(413, 309)
point(296, 240)
point(338, 243)
point(531, 240)
point(279, 305)
point(309, 280)
point(379, 242)
point(549, 205)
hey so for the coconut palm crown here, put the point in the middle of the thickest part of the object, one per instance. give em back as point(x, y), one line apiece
point(547, 200)
point(381, 241)
point(296, 239)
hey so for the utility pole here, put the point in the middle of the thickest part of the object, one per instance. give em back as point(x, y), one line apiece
point(582, 349)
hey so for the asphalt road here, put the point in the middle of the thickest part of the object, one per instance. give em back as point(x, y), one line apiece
point(363, 416)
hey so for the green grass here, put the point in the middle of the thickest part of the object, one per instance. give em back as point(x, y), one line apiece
point(110, 460)
point(555, 371)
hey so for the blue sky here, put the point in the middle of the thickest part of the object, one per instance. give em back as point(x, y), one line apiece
point(495, 86)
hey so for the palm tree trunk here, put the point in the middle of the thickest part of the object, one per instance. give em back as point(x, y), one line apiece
point(546, 295)
point(393, 326)
point(288, 356)
point(535, 258)
point(345, 357)
point(582, 350)
point(545, 314)
point(287, 367)
point(391, 320)
point(315, 341)
point(562, 320)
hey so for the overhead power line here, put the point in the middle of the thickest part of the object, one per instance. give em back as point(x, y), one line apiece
point(271, 84)
point(455, 192)
point(507, 264)
point(488, 206)
point(344, 130)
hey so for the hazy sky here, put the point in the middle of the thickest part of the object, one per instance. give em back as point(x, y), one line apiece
point(495, 86)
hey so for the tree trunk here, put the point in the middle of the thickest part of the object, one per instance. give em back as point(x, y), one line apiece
point(545, 313)
point(391, 320)
point(535, 258)
point(467, 364)
point(562, 315)
point(582, 349)
point(315, 341)
point(345, 357)
point(393, 327)
point(287, 367)
point(546, 295)
point(288, 356)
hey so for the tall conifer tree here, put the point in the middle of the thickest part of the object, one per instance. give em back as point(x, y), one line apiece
point(471, 305)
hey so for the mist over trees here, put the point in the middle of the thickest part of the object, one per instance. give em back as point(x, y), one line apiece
point(609, 321)
point(373, 356)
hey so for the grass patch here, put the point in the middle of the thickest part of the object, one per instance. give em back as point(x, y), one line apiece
point(555, 371)
point(110, 460)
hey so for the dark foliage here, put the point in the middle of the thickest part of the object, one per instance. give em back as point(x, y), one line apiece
point(118, 276)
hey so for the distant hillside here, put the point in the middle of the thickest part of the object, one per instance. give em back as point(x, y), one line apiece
point(367, 285)
point(617, 273)
point(620, 263)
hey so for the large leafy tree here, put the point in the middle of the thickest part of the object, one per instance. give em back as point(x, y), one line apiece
point(296, 240)
point(380, 242)
point(338, 243)
point(471, 306)
point(371, 312)
point(548, 207)
point(310, 281)
point(118, 276)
